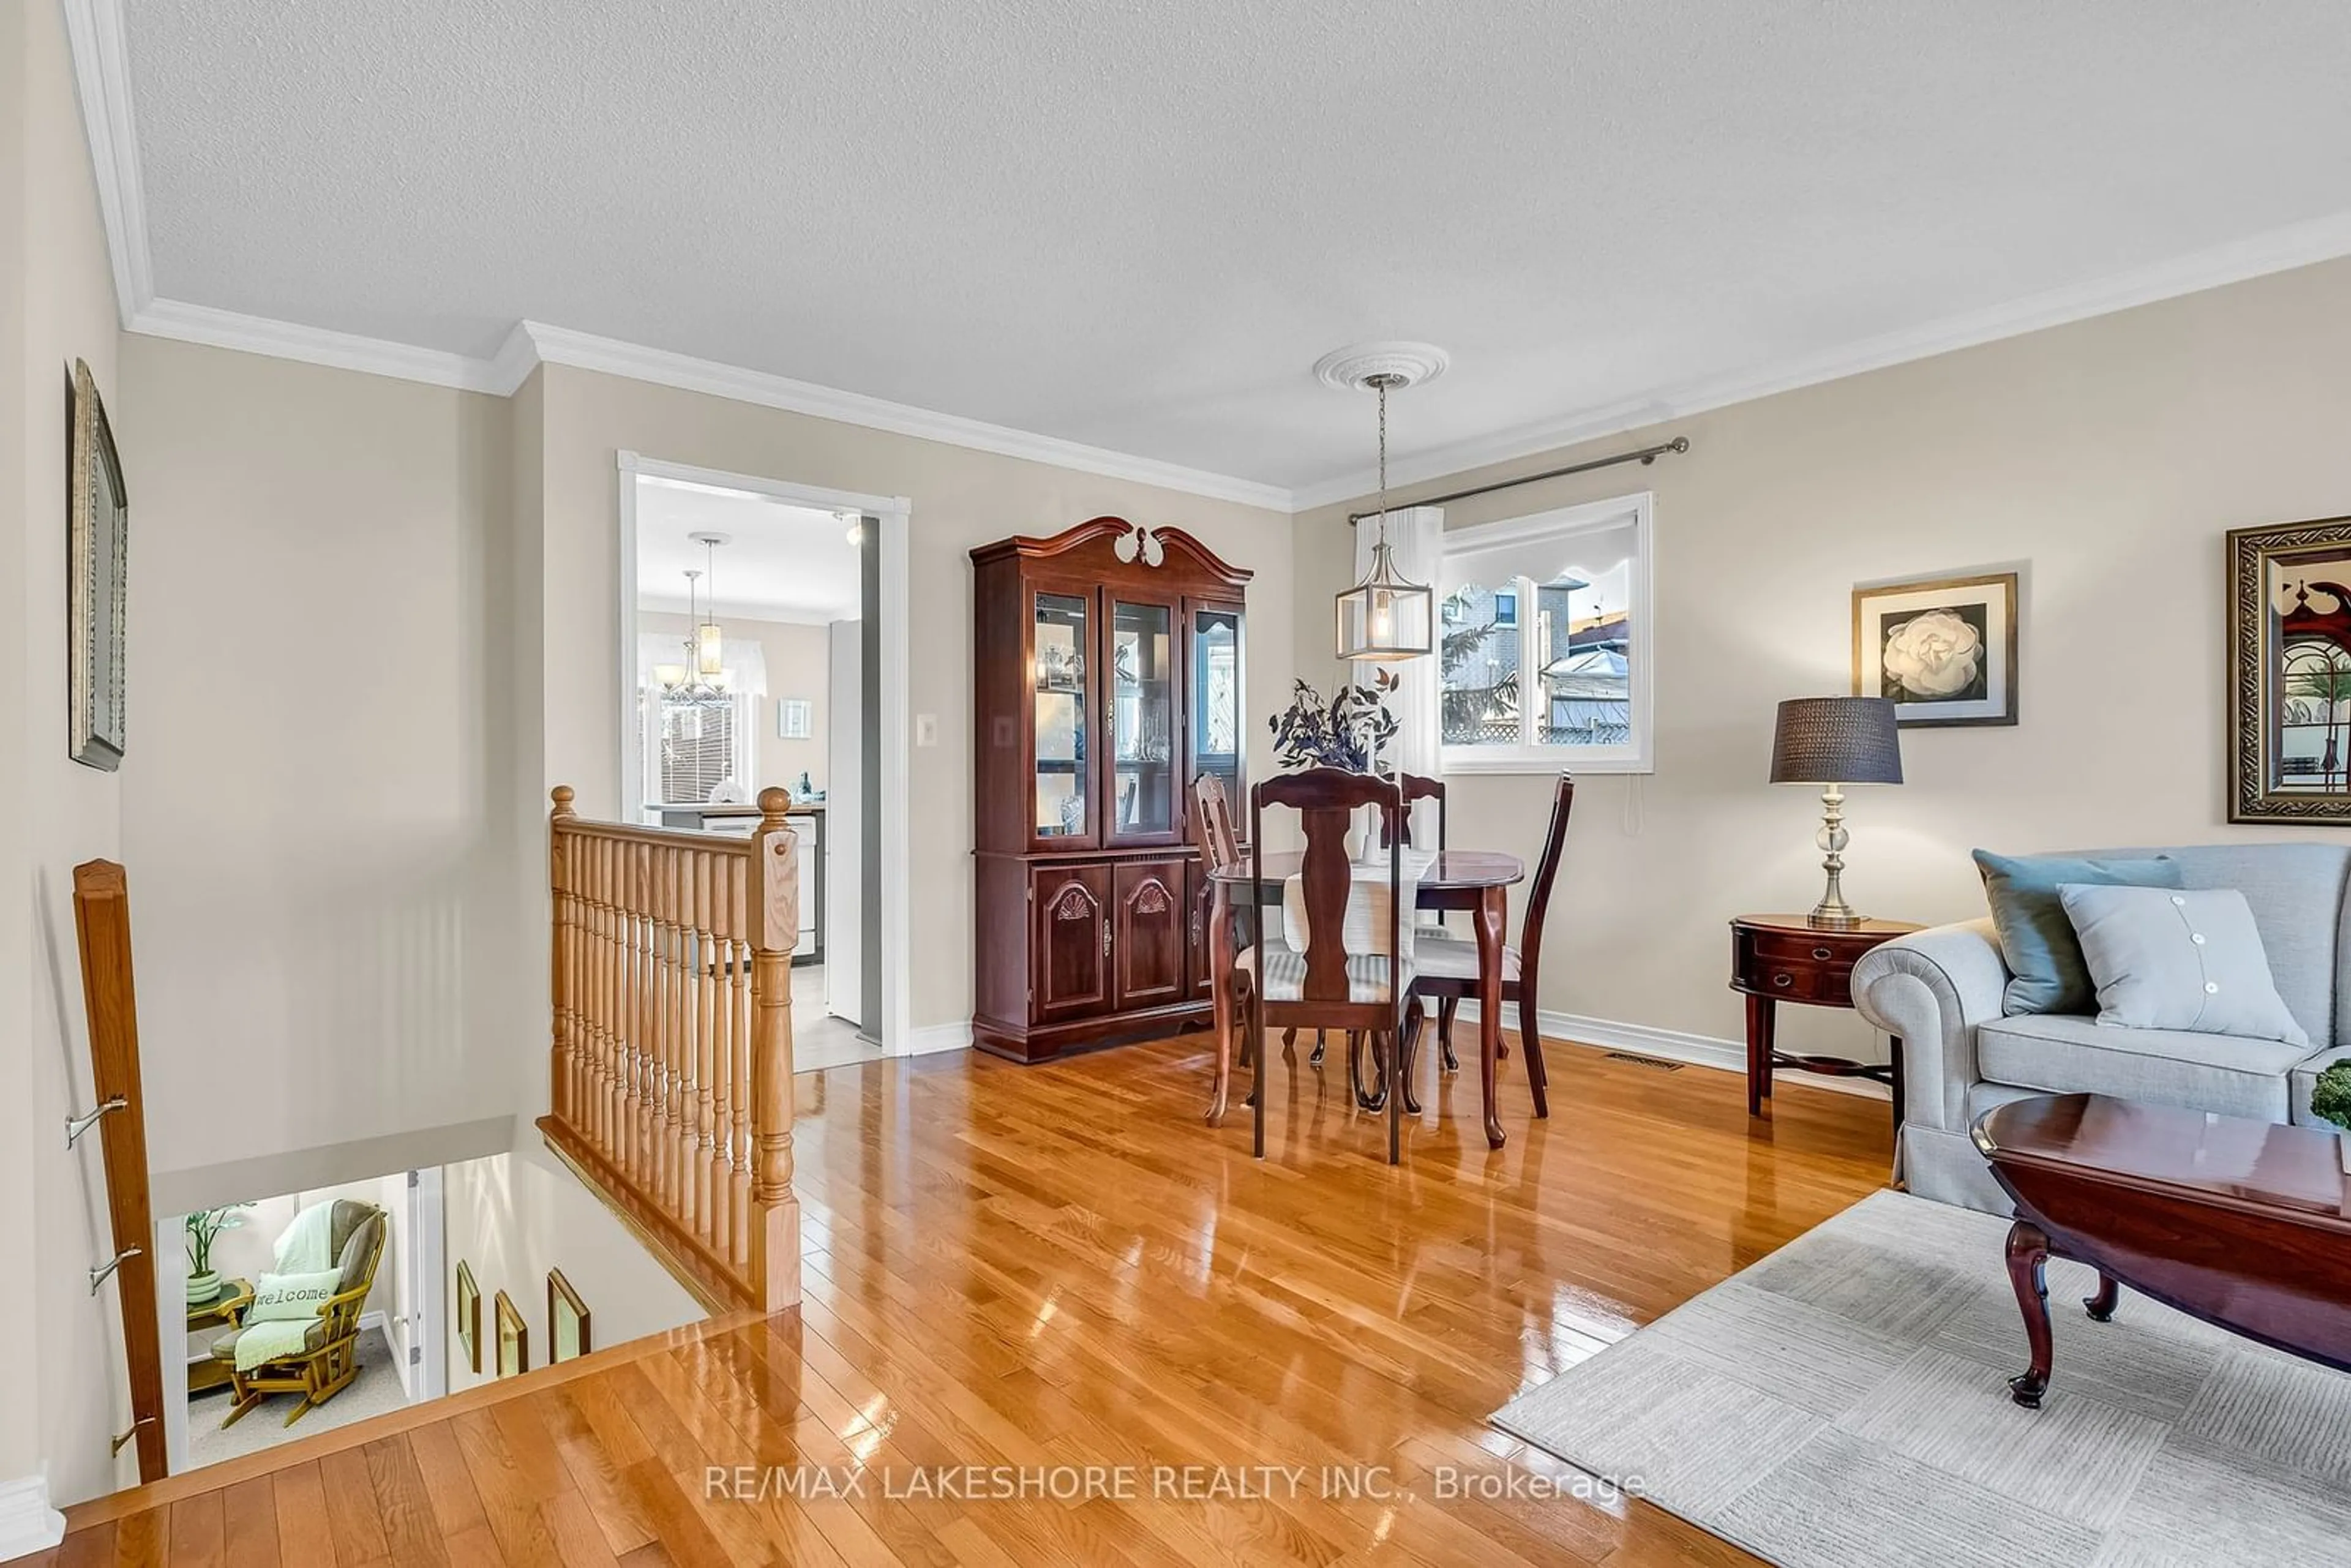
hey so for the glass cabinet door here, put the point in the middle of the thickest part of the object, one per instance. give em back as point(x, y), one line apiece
point(1142, 782)
point(1215, 700)
point(1061, 649)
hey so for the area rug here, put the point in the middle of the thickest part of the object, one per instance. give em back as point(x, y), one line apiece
point(1844, 1403)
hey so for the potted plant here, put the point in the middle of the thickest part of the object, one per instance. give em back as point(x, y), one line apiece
point(205, 1227)
point(1346, 732)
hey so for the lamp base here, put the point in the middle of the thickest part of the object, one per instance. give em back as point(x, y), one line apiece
point(1840, 918)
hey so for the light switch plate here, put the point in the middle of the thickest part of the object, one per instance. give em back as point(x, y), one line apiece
point(927, 730)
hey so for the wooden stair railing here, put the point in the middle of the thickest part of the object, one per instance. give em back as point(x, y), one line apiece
point(670, 1068)
point(101, 900)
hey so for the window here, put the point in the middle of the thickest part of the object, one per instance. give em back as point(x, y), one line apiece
point(691, 745)
point(1543, 641)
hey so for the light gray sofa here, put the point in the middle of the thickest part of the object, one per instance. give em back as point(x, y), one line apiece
point(1939, 991)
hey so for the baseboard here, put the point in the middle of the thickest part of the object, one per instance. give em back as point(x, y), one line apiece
point(1671, 1045)
point(28, 1523)
point(939, 1037)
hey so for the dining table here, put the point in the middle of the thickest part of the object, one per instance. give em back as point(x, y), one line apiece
point(1471, 882)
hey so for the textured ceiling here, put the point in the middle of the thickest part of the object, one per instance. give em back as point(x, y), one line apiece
point(1136, 226)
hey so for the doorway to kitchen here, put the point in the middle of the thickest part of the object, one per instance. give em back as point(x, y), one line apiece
point(763, 647)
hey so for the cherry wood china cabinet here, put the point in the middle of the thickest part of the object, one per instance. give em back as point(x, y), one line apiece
point(1108, 664)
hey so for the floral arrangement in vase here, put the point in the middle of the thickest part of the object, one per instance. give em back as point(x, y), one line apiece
point(2330, 1101)
point(204, 1228)
point(1346, 732)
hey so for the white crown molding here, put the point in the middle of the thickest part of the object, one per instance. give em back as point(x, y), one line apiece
point(561, 345)
point(101, 64)
point(317, 346)
point(28, 1523)
point(2278, 250)
point(101, 73)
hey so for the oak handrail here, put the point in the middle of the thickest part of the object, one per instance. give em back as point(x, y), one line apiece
point(101, 901)
point(670, 1058)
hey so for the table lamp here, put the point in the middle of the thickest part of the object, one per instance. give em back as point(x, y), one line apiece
point(1834, 742)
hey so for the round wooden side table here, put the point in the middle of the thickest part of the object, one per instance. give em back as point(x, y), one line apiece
point(1778, 958)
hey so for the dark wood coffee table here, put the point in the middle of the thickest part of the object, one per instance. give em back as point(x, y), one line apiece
point(2240, 1223)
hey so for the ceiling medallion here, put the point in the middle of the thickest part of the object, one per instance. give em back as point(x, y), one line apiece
point(1351, 369)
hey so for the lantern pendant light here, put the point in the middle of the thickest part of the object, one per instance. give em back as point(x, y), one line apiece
point(1386, 616)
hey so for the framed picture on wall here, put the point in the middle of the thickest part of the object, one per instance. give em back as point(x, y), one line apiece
point(2290, 673)
point(96, 573)
point(567, 1320)
point(469, 1317)
point(1943, 648)
point(514, 1340)
point(794, 719)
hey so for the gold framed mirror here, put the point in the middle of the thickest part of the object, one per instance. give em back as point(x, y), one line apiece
point(514, 1339)
point(567, 1320)
point(469, 1317)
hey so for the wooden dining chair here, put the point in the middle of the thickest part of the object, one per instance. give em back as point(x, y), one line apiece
point(1415, 788)
point(1445, 967)
point(1212, 829)
point(1352, 974)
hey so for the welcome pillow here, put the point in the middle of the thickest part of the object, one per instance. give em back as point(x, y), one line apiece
point(2037, 941)
point(2179, 960)
point(282, 1298)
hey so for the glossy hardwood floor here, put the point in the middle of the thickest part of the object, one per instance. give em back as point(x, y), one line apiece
point(1060, 1266)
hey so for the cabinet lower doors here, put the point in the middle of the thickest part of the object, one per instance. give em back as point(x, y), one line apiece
point(1150, 930)
point(1071, 908)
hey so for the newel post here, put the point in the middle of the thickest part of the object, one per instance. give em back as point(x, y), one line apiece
point(564, 915)
point(775, 925)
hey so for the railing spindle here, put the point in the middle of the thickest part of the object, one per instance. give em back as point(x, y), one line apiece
point(669, 1064)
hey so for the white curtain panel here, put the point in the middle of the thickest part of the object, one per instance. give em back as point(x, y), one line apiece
point(1416, 542)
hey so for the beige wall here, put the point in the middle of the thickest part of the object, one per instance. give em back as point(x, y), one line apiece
point(512, 1217)
point(798, 659)
point(57, 305)
point(323, 881)
point(2104, 457)
point(961, 499)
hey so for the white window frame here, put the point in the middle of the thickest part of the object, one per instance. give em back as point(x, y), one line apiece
point(1638, 754)
point(739, 736)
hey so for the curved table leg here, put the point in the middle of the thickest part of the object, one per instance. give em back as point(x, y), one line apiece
point(2028, 1256)
point(1489, 924)
point(2101, 1307)
point(1220, 965)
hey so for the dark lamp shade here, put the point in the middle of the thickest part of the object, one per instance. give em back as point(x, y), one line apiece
point(1837, 740)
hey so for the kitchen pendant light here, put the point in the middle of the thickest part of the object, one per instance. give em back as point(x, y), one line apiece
point(1386, 616)
point(709, 643)
point(694, 681)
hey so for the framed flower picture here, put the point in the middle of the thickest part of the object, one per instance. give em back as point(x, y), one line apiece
point(1943, 648)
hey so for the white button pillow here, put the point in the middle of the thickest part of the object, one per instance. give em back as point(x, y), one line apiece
point(2162, 958)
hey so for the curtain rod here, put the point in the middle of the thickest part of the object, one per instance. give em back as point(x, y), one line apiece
point(1647, 456)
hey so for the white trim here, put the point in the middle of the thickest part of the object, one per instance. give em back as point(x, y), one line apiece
point(894, 515)
point(101, 65)
point(170, 1255)
point(1666, 1044)
point(28, 1523)
point(316, 345)
point(560, 346)
point(932, 1039)
point(425, 1257)
point(1641, 614)
point(2257, 255)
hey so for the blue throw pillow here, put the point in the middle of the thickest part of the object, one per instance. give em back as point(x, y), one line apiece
point(2048, 974)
